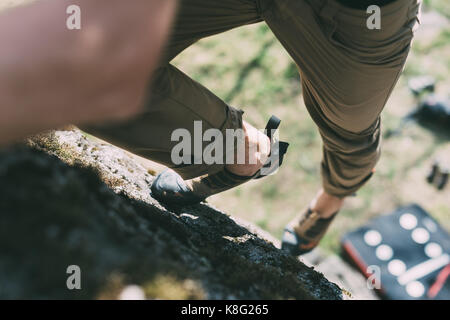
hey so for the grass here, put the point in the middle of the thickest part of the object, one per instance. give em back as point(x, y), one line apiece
point(249, 69)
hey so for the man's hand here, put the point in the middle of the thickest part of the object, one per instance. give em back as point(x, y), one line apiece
point(52, 76)
point(257, 150)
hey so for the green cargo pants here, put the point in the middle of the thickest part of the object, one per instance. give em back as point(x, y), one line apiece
point(347, 71)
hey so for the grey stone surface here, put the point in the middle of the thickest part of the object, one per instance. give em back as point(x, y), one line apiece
point(93, 209)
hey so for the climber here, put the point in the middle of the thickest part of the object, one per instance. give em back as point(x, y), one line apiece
point(347, 69)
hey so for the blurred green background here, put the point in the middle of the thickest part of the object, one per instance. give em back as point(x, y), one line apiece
point(249, 69)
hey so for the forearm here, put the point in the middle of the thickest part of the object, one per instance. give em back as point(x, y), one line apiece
point(51, 76)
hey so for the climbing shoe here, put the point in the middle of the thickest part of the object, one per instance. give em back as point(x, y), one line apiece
point(170, 188)
point(304, 233)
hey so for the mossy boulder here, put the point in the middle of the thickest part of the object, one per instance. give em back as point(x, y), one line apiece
point(67, 200)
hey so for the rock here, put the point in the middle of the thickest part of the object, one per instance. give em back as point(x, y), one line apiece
point(337, 270)
point(132, 292)
point(66, 199)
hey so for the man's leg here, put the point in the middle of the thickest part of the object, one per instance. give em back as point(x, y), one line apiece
point(348, 73)
point(177, 101)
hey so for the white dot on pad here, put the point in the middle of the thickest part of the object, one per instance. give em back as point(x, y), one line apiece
point(408, 221)
point(384, 252)
point(372, 238)
point(396, 267)
point(433, 250)
point(420, 235)
point(415, 289)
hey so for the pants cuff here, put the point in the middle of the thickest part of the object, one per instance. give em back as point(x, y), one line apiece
point(233, 121)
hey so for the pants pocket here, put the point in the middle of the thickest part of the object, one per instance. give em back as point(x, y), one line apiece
point(375, 50)
point(370, 51)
